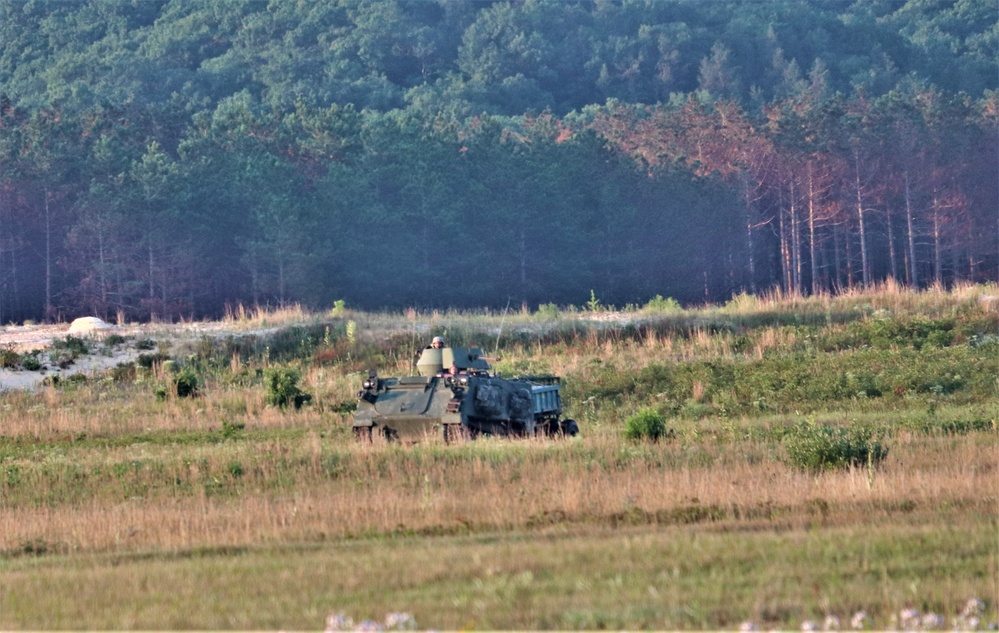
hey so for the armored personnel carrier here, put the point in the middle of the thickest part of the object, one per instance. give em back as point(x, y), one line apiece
point(456, 395)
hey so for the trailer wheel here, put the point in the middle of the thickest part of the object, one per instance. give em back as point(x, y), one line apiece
point(362, 434)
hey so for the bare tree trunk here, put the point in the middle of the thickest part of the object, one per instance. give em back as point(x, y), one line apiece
point(152, 271)
point(751, 260)
point(865, 268)
point(955, 260)
point(811, 230)
point(102, 262)
point(785, 251)
point(911, 276)
point(849, 257)
point(892, 259)
point(837, 260)
point(48, 257)
point(937, 234)
point(795, 242)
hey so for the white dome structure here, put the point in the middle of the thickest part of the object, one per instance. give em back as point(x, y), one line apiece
point(88, 325)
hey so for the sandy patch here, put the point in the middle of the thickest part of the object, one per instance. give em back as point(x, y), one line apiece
point(28, 338)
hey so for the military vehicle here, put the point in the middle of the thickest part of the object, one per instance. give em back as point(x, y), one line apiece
point(457, 396)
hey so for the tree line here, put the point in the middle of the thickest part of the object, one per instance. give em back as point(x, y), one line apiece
point(165, 159)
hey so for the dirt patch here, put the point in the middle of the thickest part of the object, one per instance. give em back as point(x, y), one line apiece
point(102, 357)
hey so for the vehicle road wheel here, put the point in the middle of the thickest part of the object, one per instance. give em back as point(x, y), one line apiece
point(570, 428)
point(362, 434)
point(453, 433)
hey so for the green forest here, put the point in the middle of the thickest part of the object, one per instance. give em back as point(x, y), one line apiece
point(165, 159)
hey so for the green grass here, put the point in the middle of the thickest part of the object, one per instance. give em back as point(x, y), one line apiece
point(119, 509)
point(558, 578)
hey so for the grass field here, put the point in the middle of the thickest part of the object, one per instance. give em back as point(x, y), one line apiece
point(124, 505)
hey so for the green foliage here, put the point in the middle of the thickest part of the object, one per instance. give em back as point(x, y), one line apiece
point(147, 361)
point(232, 429)
point(283, 389)
point(291, 343)
point(113, 340)
point(659, 305)
point(74, 345)
point(30, 362)
point(916, 332)
point(548, 311)
point(124, 373)
point(594, 305)
point(186, 383)
point(424, 127)
point(817, 447)
point(9, 359)
point(647, 424)
point(741, 303)
point(235, 469)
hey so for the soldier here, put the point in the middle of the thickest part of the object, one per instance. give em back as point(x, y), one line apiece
point(437, 343)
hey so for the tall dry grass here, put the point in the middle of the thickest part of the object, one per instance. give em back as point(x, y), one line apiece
point(306, 487)
point(588, 533)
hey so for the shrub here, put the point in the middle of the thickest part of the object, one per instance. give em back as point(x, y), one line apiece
point(232, 429)
point(75, 346)
point(113, 340)
point(187, 383)
point(742, 302)
point(646, 424)
point(548, 311)
point(9, 359)
point(282, 388)
point(30, 362)
point(658, 305)
point(817, 447)
point(594, 305)
point(123, 372)
point(148, 360)
point(235, 469)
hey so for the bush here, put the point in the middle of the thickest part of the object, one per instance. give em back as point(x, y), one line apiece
point(647, 424)
point(113, 340)
point(658, 305)
point(816, 447)
point(282, 388)
point(148, 360)
point(548, 311)
point(75, 346)
point(9, 359)
point(30, 362)
point(123, 372)
point(187, 383)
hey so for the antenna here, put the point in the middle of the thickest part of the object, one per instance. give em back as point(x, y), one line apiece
point(500, 335)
